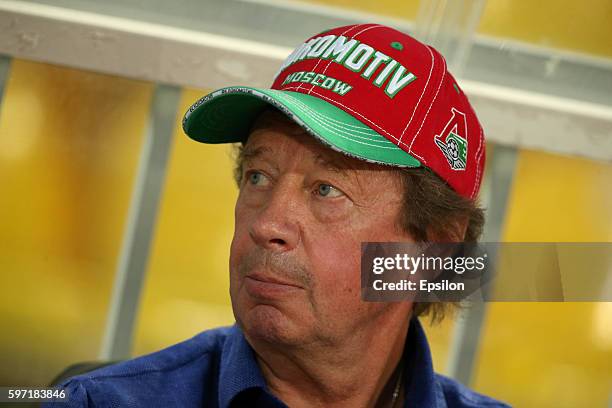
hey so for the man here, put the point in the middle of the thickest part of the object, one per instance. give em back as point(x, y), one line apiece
point(364, 136)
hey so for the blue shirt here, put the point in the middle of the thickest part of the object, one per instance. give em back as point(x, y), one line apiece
point(217, 368)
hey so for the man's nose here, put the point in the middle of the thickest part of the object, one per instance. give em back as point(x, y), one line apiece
point(276, 226)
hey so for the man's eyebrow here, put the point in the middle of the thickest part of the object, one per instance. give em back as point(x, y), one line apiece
point(331, 165)
point(263, 153)
point(249, 153)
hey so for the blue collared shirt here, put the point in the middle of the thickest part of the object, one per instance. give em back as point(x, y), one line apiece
point(217, 368)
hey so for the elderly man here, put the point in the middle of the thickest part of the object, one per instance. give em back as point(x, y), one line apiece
point(363, 136)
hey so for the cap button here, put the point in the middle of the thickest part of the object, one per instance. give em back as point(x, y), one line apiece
point(397, 45)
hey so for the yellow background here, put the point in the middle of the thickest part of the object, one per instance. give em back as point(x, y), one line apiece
point(69, 146)
point(578, 26)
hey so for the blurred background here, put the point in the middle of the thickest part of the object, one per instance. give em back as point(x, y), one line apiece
point(115, 227)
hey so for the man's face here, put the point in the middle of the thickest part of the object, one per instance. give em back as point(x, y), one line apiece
point(302, 213)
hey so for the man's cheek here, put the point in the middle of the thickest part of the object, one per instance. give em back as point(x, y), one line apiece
point(342, 270)
point(240, 243)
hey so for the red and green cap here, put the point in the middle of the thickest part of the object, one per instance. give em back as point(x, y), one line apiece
point(368, 91)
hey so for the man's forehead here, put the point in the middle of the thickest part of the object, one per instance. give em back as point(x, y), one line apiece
point(266, 138)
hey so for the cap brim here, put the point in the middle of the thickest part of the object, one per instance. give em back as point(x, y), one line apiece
point(226, 115)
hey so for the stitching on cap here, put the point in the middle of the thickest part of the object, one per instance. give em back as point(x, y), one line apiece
point(479, 157)
point(362, 129)
point(356, 113)
point(478, 172)
point(322, 121)
point(423, 93)
point(353, 37)
point(366, 29)
point(423, 161)
point(429, 109)
point(325, 142)
point(319, 61)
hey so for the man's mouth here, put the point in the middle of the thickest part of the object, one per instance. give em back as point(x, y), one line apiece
point(262, 285)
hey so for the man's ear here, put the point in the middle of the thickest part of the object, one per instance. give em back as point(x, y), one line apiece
point(450, 231)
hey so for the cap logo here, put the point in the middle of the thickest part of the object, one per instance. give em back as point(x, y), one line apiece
point(354, 56)
point(452, 141)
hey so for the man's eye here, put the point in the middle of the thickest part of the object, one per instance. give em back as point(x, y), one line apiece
point(256, 178)
point(326, 190)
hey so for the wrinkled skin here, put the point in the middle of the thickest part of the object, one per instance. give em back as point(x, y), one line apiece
point(302, 213)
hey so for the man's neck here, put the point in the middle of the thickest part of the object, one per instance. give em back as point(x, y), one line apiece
point(351, 373)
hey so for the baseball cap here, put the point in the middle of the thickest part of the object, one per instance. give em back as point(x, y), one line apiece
point(368, 91)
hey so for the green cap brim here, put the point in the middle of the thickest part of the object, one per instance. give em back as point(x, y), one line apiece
point(226, 116)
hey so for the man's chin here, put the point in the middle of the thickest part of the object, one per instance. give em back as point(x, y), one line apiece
point(266, 323)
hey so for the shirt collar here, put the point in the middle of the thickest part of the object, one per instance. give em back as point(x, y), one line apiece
point(239, 370)
point(421, 387)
